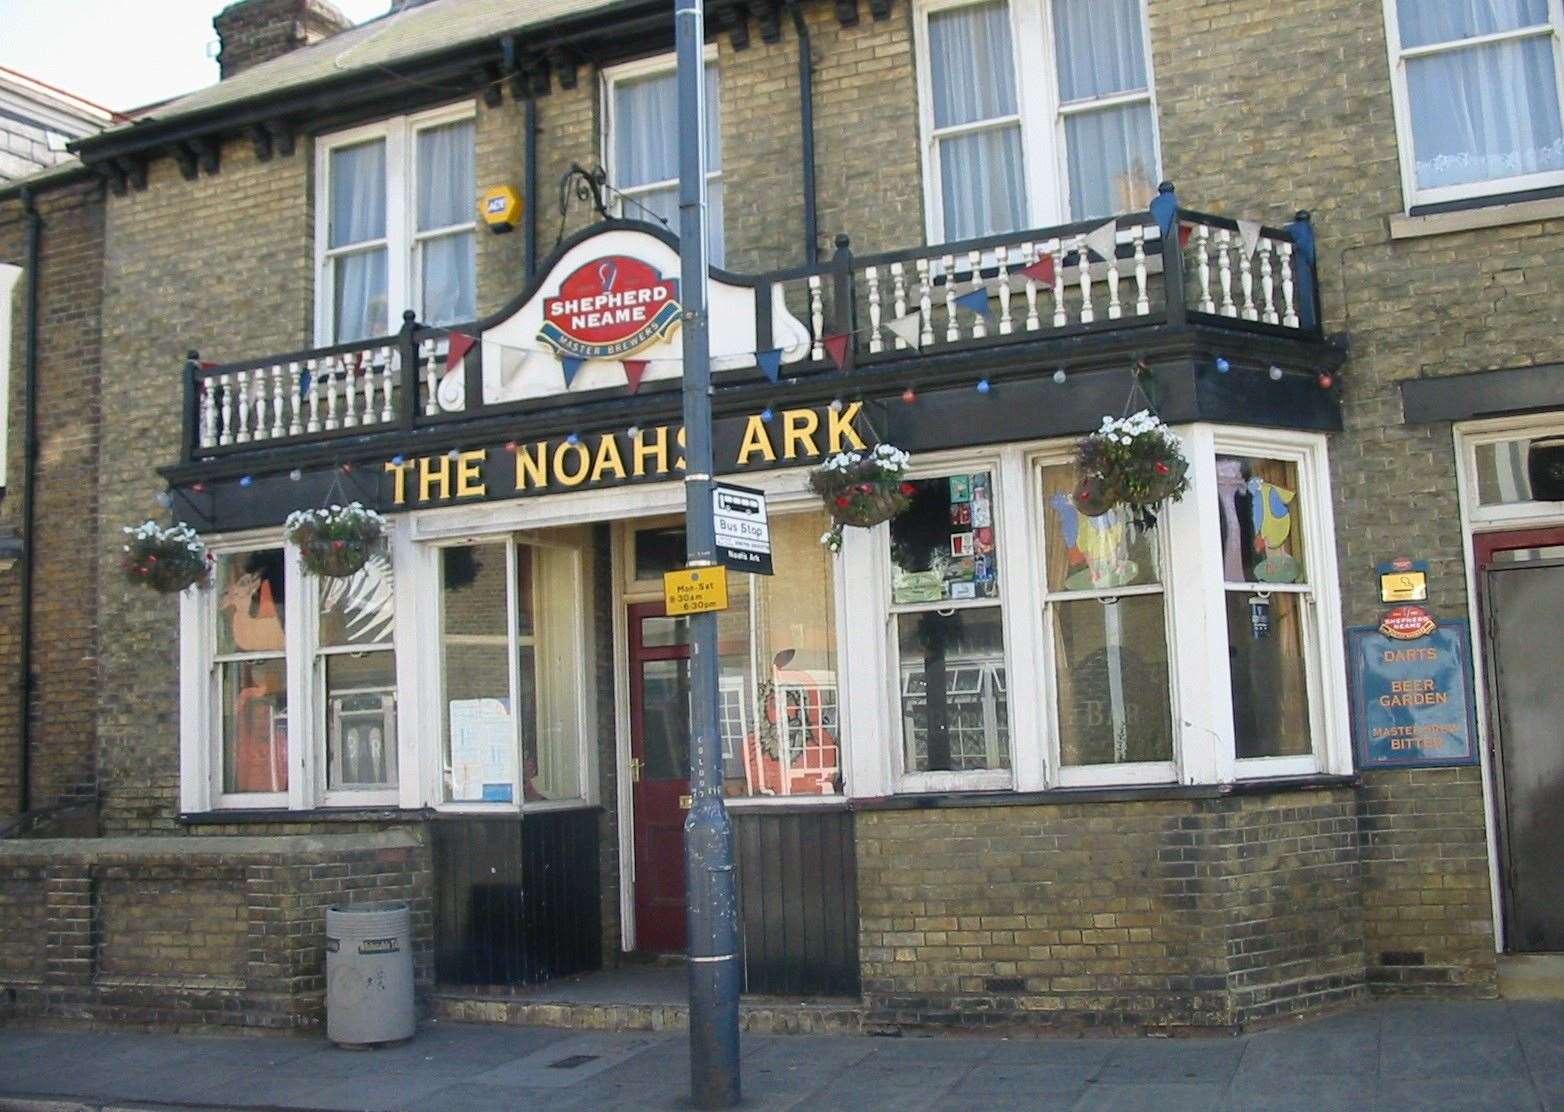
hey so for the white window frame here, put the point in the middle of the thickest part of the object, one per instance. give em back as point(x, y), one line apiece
point(585, 685)
point(201, 704)
point(1044, 153)
point(629, 71)
point(403, 241)
point(989, 779)
point(10, 276)
point(1411, 194)
point(1096, 775)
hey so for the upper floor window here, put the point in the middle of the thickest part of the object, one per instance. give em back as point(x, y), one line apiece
point(395, 224)
point(1477, 96)
point(641, 144)
point(1034, 112)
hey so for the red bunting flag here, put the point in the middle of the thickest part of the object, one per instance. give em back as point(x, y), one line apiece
point(1183, 234)
point(460, 345)
point(634, 369)
point(836, 346)
point(1041, 271)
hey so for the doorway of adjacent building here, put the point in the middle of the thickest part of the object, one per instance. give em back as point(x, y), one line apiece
point(659, 772)
point(1521, 581)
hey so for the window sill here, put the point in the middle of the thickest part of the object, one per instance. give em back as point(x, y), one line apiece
point(1137, 793)
point(1489, 213)
point(276, 815)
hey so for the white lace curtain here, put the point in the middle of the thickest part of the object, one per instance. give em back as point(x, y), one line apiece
point(1485, 111)
point(358, 216)
point(646, 152)
point(446, 195)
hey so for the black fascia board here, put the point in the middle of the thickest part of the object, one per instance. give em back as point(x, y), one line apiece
point(1482, 393)
point(949, 410)
point(633, 25)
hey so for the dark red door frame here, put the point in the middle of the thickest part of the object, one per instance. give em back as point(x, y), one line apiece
point(657, 821)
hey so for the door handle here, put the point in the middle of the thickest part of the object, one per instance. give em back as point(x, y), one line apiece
point(635, 770)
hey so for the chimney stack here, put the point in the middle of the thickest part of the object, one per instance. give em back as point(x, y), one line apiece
point(254, 31)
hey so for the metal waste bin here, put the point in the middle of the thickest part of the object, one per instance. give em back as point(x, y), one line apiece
point(369, 974)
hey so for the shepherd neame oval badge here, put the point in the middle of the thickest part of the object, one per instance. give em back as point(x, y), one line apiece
point(1407, 623)
point(609, 308)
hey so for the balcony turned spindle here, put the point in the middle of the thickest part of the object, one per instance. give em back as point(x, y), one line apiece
point(1056, 249)
point(1142, 300)
point(208, 413)
point(313, 393)
point(243, 405)
point(349, 391)
point(925, 304)
point(296, 401)
point(1246, 281)
point(328, 371)
point(1224, 270)
point(876, 343)
point(227, 434)
point(980, 319)
point(431, 378)
point(1083, 261)
point(279, 427)
point(1289, 310)
point(1203, 267)
point(1267, 283)
point(952, 321)
point(1115, 310)
point(1029, 255)
point(899, 296)
point(1005, 326)
point(816, 317)
point(366, 363)
point(390, 357)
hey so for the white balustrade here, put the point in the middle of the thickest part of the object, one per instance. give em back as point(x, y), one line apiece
point(426, 356)
point(876, 342)
point(1142, 300)
point(1267, 282)
point(296, 400)
point(1224, 270)
point(311, 373)
point(1289, 312)
point(1203, 267)
point(1115, 310)
point(1056, 252)
point(899, 296)
point(1083, 264)
point(329, 375)
point(952, 322)
point(1029, 255)
point(349, 370)
point(1246, 281)
point(816, 317)
point(1005, 325)
point(391, 359)
point(243, 435)
point(925, 304)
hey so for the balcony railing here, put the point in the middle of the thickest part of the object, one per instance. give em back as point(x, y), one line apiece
point(1041, 284)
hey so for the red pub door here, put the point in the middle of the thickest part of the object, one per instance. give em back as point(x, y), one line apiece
point(659, 772)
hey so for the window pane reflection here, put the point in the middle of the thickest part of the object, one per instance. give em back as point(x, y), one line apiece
point(1270, 691)
point(955, 712)
point(1111, 665)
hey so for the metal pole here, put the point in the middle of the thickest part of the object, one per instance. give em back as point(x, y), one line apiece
point(711, 905)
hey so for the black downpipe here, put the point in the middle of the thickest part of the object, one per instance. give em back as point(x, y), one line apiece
point(530, 246)
point(806, 111)
point(29, 476)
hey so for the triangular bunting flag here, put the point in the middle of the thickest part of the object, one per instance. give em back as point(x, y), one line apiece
point(1104, 240)
point(1249, 234)
point(571, 365)
point(836, 346)
point(906, 329)
point(634, 369)
point(1164, 210)
point(769, 362)
point(1184, 232)
point(975, 300)
point(1041, 271)
point(460, 345)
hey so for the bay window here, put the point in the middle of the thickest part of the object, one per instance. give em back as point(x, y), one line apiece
point(1034, 112)
point(641, 145)
point(249, 676)
point(395, 225)
point(1477, 92)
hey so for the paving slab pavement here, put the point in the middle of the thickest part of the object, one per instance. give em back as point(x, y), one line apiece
point(1452, 1056)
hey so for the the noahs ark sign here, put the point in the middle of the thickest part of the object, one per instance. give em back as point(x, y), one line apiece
point(610, 307)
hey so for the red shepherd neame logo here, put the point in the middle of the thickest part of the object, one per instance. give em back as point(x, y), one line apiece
point(1407, 623)
point(610, 307)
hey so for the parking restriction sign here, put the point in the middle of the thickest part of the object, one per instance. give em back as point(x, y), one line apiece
point(743, 537)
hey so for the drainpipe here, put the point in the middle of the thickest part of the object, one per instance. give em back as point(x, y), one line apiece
point(806, 113)
point(530, 246)
point(29, 479)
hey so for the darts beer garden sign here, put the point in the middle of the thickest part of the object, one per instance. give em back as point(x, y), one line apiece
point(1412, 691)
point(610, 307)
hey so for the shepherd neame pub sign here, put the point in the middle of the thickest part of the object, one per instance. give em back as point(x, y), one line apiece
point(610, 307)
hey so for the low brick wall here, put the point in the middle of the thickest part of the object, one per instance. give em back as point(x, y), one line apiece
point(193, 932)
point(1133, 915)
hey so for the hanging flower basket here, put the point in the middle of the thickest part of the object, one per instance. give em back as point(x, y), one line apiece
point(336, 541)
point(862, 489)
point(167, 558)
point(1135, 462)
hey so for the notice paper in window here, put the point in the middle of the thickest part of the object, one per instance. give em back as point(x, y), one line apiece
point(483, 745)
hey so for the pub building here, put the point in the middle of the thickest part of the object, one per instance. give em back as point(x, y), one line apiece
point(997, 761)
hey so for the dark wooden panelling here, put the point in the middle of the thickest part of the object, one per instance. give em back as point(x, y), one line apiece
point(798, 899)
point(517, 899)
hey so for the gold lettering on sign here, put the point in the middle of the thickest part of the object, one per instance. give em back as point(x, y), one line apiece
point(398, 484)
point(428, 478)
point(583, 461)
point(657, 451)
point(608, 460)
point(756, 439)
point(798, 431)
point(532, 465)
point(469, 474)
point(839, 428)
point(678, 464)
